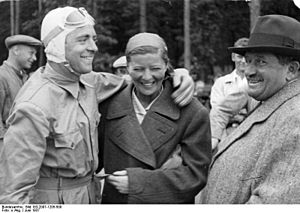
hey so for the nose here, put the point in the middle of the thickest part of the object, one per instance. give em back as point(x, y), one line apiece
point(34, 57)
point(250, 70)
point(147, 74)
point(92, 46)
point(243, 60)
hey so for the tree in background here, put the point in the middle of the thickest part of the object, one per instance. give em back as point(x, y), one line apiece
point(215, 25)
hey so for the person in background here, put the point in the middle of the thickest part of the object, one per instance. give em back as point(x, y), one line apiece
point(13, 73)
point(259, 162)
point(154, 151)
point(120, 66)
point(202, 93)
point(229, 100)
point(50, 150)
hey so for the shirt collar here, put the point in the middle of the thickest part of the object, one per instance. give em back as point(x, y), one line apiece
point(135, 99)
point(122, 105)
point(235, 75)
point(140, 111)
point(62, 77)
point(232, 77)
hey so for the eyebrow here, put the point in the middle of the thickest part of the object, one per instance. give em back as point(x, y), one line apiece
point(260, 56)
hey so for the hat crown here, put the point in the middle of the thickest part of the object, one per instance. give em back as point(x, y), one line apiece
point(277, 34)
point(277, 25)
point(21, 39)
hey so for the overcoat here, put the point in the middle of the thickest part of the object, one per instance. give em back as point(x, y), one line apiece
point(142, 149)
point(260, 161)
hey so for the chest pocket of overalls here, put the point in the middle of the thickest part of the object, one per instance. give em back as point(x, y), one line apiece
point(71, 150)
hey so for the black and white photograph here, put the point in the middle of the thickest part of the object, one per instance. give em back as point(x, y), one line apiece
point(193, 102)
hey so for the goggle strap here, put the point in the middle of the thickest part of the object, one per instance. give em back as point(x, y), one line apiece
point(52, 34)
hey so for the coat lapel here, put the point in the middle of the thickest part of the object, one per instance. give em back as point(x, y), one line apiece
point(127, 132)
point(159, 125)
point(140, 141)
point(260, 114)
point(129, 136)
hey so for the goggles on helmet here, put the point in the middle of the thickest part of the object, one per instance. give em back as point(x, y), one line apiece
point(75, 19)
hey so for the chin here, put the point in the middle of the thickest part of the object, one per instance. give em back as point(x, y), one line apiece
point(86, 69)
point(256, 96)
point(151, 93)
point(253, 94)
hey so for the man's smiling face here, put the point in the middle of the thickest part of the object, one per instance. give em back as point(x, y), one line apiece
point(81, 48)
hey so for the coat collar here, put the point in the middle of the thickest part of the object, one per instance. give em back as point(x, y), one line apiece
point(164, 105)
point(63, 78)
point(141, 141)
point(261, 113)
point(21, 74)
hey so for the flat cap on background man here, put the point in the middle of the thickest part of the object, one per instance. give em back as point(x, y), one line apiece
point(21, 39)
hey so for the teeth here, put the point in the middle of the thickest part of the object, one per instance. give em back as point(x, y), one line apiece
point(253, 80)
point(88, 57)
point(147, 84)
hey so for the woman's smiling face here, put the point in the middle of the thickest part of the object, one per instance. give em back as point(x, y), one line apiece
point(147, 72)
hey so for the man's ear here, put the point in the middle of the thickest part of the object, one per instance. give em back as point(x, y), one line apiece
point(232, 57)
point(293, 70)
point(15, 49)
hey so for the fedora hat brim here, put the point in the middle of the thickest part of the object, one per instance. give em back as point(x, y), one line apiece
point(267, 49)
point(275, 34)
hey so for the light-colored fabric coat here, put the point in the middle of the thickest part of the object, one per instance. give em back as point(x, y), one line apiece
point(260, 161)
point(53, 134)
point(143, 149)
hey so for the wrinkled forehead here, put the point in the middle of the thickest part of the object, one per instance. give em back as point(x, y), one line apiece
point(260, 55)
point(87, 31)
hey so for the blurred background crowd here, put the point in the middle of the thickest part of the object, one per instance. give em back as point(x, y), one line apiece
point(197, 32)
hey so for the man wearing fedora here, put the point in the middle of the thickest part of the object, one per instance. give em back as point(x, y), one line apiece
point(21, 55)
point(259, 162)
